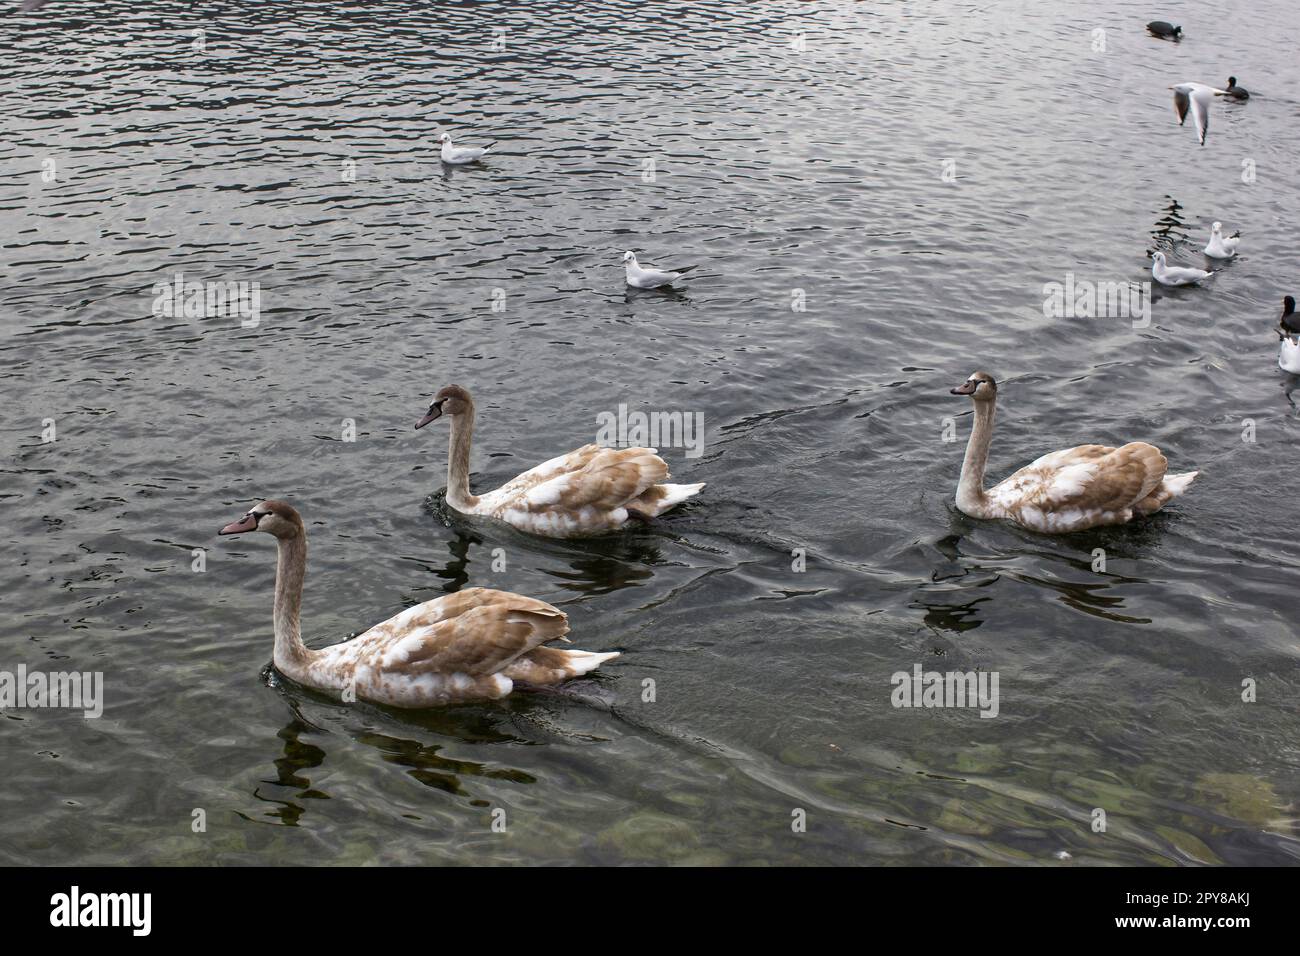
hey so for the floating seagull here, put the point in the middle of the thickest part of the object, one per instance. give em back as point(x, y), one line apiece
point(1235, 91)
point(1165, 30)
point(1197, 96)
point(1288, 355)
point(1174, 275)
point(460, 155)
point(1220, 247)
point(646, 278)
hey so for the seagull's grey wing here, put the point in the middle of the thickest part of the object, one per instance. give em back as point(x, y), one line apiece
point(1201, 112)
point(1180, 105)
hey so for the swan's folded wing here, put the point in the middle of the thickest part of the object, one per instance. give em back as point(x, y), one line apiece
point(609, 480)
point(1087, 478)
point(475, 631)
point(552, 468)
point(481, 640)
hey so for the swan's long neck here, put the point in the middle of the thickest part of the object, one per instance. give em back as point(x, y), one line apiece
point(290, 569)
point(970, 487)
point(462, 435)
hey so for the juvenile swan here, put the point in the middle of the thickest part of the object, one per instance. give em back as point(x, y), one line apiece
point(1081, 487)
point(471, 645)
point(586, 492)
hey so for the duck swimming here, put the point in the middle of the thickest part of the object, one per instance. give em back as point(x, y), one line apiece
point(1235, 91)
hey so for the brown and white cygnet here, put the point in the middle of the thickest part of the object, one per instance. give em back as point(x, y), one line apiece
point(471, 645)
point(1081, 487)
point(586, 492)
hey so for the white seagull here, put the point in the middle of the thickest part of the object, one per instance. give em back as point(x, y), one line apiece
point(1220, 247)
point(1174, 275)
point(1288, 355)
point(1197, 97)
point(646, 278)
point(460, 155)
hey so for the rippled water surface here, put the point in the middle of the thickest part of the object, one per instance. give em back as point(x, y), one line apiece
point(702, 135)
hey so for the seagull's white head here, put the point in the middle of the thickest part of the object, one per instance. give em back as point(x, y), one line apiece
point(629, 256)
point(445, 138)
point(1158, 257)
point(1218, 228)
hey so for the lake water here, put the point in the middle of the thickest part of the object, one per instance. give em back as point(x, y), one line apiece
point(912, 174)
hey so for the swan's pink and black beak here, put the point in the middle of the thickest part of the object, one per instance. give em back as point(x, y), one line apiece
point(246, 523)
point(434, 413)
point(966, 388)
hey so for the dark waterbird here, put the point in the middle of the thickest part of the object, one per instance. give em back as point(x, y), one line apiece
point(1165, 30)
point(1235, 91)
point(1289, 320)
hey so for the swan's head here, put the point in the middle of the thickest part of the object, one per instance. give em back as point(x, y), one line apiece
point(629, 256)
point(981, 386)
point(450, 400)
point(274, 517)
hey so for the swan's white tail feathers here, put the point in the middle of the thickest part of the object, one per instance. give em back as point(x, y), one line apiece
point(1177, 484)
point(582, 662)
point(673, 495)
